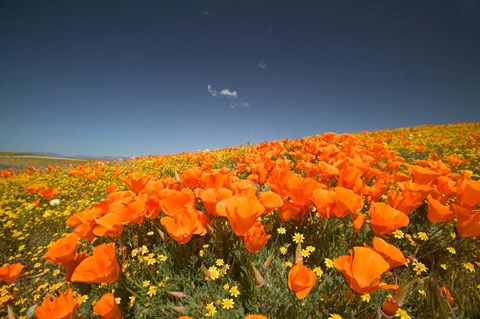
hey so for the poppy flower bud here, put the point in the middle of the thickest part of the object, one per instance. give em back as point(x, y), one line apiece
point(179, 309)
point(162, 235)
point(298, 254)
point(268, 261)
point(10, 313)
point(205, 272)
point(259, 280)
point(177, 294)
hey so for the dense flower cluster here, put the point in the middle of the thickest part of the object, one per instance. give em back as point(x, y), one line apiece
point(220, 233)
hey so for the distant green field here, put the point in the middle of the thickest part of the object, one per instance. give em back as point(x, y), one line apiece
point(21, 161)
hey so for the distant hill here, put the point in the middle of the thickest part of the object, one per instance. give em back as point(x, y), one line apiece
point(53, 154)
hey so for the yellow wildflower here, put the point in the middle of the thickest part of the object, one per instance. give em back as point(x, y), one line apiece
point(227, 303)
point(152, 291)
point(423, 236)
point(398, 234)
point(402, 314)
point(366, 298)
point(469, 266)
point(318, 271)
point(211, 310)
point(298, 238)
point(234, 291)
point(328, 263)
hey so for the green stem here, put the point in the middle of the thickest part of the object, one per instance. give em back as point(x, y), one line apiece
point(136, 295)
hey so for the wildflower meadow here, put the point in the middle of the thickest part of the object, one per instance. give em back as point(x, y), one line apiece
point(381, 224)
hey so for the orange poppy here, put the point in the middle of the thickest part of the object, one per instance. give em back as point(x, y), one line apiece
point(127, 209)
point(255, 238)
point(214, 179)
point(405, 201)
point(48, 193)
point(447, 294)
point(182, 225)
point(107, 307)
point(299, 189)
point(34, 188)
point(350, 177)
point(346, 202)
point(211, 196)
point(385, 219)
point(101, 267)
point(89, 214)
point(327, 170)
point(136, 181)
point(468, 192)
point(63, 251)
point(10, 273)
point(422, 175)
point(243, 186)
point(111, 188)
point(437, 212)
point(455, 161)
point(270, 201)
point(84, 221)
point(277, 181)
point(445, 185)
point(289, 210)
point(392, 255)
point(323, 200)
point(61, 307)
point(362, 269)
point(241, 211)
point(109, 227)
point(468, 221)
point(6, 173)
point(176, 201)
point(191, 177)
point(301, 280)
point(358, 221)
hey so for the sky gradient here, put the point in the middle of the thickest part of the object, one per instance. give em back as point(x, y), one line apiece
point(125, 78)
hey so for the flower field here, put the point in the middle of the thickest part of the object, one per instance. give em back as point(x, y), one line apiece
point(379, 224)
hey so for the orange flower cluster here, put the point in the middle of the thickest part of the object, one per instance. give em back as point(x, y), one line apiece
point(325, 176)
point(40, 188)
point(102, 267)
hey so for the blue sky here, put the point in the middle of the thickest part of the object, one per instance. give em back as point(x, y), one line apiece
point(128, 77)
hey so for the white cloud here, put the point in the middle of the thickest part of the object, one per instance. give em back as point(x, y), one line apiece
point(212, 91)
point(232, 95)
point(228, 93)
point(262, 65)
